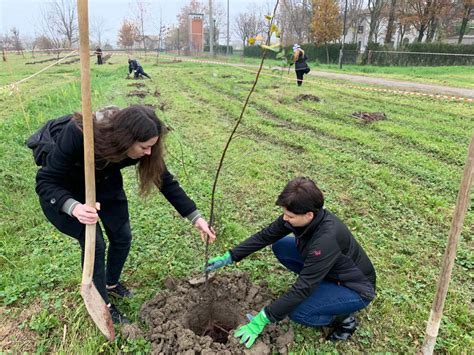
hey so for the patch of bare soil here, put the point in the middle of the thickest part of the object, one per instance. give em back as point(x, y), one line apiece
point(138, 93)
point(187, 318)
point(368, 117)
point(137, 85)
point(307, 97)
point(12, 338)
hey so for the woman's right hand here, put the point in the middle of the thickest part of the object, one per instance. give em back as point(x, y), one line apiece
point(86, 214)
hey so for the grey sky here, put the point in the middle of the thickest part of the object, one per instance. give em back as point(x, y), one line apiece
point(24, 14)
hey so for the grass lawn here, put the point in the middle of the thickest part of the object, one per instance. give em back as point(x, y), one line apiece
point(394, 182)
point(456, 76)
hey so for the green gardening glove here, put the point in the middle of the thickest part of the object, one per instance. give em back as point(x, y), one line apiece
point(219, 261)
point(249, 332)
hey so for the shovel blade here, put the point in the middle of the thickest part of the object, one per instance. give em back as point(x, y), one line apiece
point(98, 310)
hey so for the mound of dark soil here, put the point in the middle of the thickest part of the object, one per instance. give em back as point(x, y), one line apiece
point(368, 117)
point(137, 85)
point(187, 318)
point(307, 97)
point(138, 93)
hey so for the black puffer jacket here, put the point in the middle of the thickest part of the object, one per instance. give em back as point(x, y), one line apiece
point(329, 252)
point(300, 63)
point(62, 177)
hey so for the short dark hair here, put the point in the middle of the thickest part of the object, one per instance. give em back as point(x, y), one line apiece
point(300, 196)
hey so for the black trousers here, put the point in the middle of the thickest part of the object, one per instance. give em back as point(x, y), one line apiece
point(99, 60)
point(299, 76)
point(119, 247)
point(139, 72)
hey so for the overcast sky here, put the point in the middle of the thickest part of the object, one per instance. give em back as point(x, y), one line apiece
point(24, 14)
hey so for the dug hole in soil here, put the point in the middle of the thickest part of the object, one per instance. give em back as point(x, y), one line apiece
point(189, 318)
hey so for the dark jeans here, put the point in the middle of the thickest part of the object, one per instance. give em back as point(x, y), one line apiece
point(327, 301)
point(99, 60)
point(120, 242)
point(139, 72)
point(299, 77)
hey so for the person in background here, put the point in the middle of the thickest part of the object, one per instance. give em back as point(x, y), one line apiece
point(131, 136)
point(98, 53)
point(299, 60)
point(134, 65)
point(335, 276)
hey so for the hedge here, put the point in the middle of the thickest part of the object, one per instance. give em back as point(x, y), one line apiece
point(219, 49)
point(313, 52)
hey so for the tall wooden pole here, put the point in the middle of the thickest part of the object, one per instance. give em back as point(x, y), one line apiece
point(94, 302)
point(436, 313)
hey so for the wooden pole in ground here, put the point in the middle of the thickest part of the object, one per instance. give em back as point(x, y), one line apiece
point(94, 302)
point(450, 254)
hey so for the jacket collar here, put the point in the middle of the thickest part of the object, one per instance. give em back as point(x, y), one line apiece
point(301, 232)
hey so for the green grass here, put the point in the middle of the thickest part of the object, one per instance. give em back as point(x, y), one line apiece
point(394, 183)
point(455, 76)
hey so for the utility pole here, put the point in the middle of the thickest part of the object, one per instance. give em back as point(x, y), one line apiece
point(211, 30)
point(227, 48)
point(341, 51)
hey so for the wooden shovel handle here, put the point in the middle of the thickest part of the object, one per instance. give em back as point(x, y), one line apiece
point(88, 130)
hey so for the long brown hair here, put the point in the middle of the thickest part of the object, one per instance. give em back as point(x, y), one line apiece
point(296, 54)
point(115, 133)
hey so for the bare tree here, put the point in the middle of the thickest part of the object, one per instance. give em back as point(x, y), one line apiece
point(59, 22)
point(248, 24)
point(98, 29)
point(15, 40)
point(390, 22)
point(294, 19)
point(466, 15)
point(140, 7)
point(375, 9)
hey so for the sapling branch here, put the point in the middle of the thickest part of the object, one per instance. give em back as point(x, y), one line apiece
point(237, 123)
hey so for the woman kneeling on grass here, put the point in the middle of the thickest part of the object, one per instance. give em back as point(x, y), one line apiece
point(122, 138)
point(335, 275)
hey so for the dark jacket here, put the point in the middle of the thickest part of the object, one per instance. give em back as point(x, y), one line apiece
point(133, 65)
point(300, 63)
point(329, 252)
point(62, 178)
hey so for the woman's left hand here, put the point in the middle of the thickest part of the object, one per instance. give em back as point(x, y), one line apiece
point(203, 228)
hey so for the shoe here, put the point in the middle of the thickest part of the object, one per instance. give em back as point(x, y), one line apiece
point(117, 317)
point(343, 329)
point(120, 291)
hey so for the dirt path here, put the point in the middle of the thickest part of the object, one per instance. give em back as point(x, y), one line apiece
point(397, 84)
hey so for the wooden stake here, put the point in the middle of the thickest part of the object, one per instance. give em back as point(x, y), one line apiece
point(450, 254)
point(94, 302)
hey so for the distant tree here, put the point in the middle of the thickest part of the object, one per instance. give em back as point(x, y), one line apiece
point(326, 23)
point(59, 22)
point(16, 40)
point(294, 19)
point(128, 34)
point(466, 15)
point(425, 16)
point(248, 24)
point(43, 42)
point(98, 27)
point(375, 8)
point(390, 22)
point(140, 8)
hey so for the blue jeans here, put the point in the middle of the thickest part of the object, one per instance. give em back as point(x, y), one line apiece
point(327, 301)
